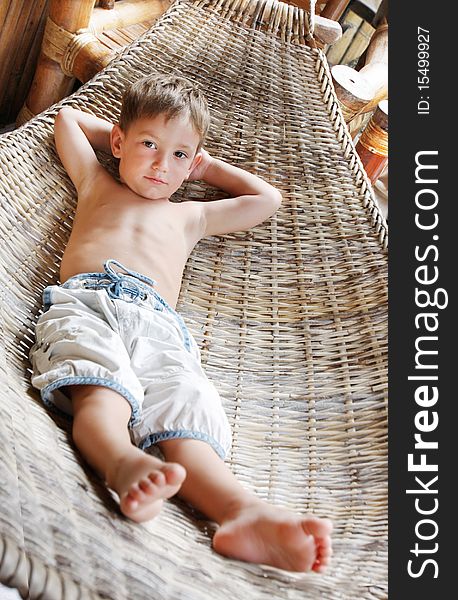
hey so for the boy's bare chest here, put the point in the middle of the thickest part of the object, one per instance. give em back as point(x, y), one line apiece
point(161, 221)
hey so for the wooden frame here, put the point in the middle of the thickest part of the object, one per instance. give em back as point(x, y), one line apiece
point(70, 48)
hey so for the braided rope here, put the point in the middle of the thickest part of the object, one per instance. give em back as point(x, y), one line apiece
point(55, 40)
point(25, 114)
point(311, 18)
point(63, 47)
point(82, 38)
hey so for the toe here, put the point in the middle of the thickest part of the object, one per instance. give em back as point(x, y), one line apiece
point(323, 554)
point(129, 504)
point(319, 528)
point(321, 564)
point(174, 473)
point(135, 493)
point(324, 547)
point(157, 478)
point(318, 568)
point(146, 486)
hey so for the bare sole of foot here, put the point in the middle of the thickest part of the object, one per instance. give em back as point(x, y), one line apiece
point(268, 535)
point(143, 482)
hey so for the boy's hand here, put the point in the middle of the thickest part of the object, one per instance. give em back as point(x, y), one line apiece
point(201, 168)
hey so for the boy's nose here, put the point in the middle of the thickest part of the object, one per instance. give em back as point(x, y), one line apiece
point(161, 164)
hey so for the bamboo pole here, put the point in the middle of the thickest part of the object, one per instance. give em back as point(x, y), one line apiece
point(92, 58)
point(334, 9)
point(50, 83)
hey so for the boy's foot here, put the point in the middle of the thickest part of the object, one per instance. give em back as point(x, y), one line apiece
point(268, 535)
point(142, 482)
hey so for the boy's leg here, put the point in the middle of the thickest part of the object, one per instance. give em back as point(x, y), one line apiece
point(250, 529)
point(101, 434)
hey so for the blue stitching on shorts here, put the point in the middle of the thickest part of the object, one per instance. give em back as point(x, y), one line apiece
point(47, 302)
point(81, 380)
point(184, 433)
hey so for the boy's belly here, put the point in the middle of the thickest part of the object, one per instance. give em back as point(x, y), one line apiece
point(162, 262)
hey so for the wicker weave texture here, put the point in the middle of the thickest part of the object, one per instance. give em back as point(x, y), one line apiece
point(291, 319)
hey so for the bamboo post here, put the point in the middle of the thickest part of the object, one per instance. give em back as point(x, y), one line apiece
point(381, 14)
point(334, 9)
point(372, 145)
point(353, 91)
point(50, 83)
point(22, 26)
point(361, 91)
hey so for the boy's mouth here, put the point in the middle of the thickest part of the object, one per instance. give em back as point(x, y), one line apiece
point(155, 180)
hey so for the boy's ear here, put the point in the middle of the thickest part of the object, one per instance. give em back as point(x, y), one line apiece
point(195, 163)
point(116, 140)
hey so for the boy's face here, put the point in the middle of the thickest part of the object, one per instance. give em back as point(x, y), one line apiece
point(156, 155)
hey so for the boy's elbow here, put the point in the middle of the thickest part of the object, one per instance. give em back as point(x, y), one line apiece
point(64, 115)
point(271, 202)
point(275, 200)
point(64, 112)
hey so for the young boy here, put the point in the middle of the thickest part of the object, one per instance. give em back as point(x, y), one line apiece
point(112, 351)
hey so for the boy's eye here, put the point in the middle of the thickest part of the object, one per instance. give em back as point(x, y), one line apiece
point(180, 154)
point(149, 144)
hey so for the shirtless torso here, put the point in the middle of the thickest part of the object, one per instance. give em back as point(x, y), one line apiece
point(152, 238)
point(133, 220)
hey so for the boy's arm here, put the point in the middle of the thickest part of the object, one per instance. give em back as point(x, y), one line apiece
point(252, 201)
point(77, 135)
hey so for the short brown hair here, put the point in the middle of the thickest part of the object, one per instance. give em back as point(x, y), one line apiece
point(170, 95)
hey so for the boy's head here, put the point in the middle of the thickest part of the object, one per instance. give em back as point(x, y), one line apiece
point(169, 95)
point(163, 124)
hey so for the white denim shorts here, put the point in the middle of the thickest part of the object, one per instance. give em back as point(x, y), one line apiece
point(113, 329)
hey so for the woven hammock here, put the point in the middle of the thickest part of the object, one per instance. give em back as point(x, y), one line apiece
point(291, 318)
